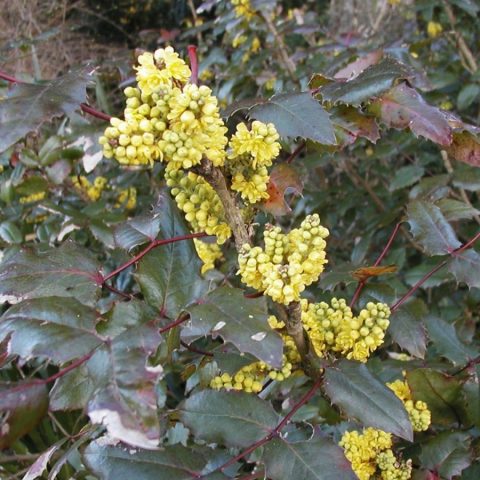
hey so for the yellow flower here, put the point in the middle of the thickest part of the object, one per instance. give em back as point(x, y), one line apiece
point(209, 253)
point(149, 78)
point(176, 67)
point(434, 29)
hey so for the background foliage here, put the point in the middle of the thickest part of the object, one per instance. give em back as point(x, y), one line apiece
point(94, 343)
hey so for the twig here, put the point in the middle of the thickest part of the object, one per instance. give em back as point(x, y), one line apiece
point(469, 364)
point(296, 152)
point(412, 290)
point(195, 349)
point(276, 431)
point(181, 319)
point(362, 283)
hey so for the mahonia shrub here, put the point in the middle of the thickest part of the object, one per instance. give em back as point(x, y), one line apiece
point(171, 310)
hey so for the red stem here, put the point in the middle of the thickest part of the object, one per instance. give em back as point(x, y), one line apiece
point(195, 349)
point(276, 431)
point(362, 283)
point(433, 271)
point(295, 153)
point(179, 321)
point(151, 246)
point(192, 55)
point(83, 106)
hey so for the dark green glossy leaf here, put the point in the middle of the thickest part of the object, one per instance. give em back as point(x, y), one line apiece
point(439, 391)
point(22, 406)
point(242, 321)
point(169, 276)
point(431, 229)
point(445, 339)
point(296, 115)
point(66, 271)
point(372, 82)
point(467, 95)
point(235, 419)
point(138, 230)
point(27, 106)
point(406, 176)
point(53, 327)
point(455, 210)
point(10, 233)
point(124, 463)
point(407, 328)
point(465, 266)
point(317, 459)
point(362, 396)
point(448, 454)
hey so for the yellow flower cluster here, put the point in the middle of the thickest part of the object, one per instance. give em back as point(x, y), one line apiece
point(434, 29)
point(288, 263)
point(166, 118)
point(209, 253)
point(420, 415)
point(92, 190)
point(370, 450)
point(198, 200)
point(34, 197)
point(127, 198)
point(252, 377)
point(243, 8)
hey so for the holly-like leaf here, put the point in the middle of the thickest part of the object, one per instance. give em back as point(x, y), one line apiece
point(138, 230)
point(362, 396)
point(169, 276)
point(447, 453)
point(465, 147)
point(283, 179)
point(407, 328)
point(235, 419)
point(372, 82)
point(430, 228)
point(403, 107)
point(350, 124)
point(239, 320)
point(466, 267)
point(364, 273)
point(66, 271)
point(440, 392)
point(124, 463)
point(22, 406)
point(446, 341)
point(456, 210)
point(355, 68)
point(52, 327)
point(296, 115)
point(316, 459)
point(406, 176)
point(27, 106)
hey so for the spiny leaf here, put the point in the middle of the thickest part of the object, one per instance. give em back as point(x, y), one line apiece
point(317, 459)
point(456, 210)
point(431, 229)
point(407, 328)
point(52, 327)
point(239, 320)
point(372, 82)
point(296, 115)
point(236, 419)
point(403, 107)
point(138, 230)
point(466, 267)
point(350, 124)
point(66, 271)
point(283, 179)
point(352, 387)
point(169, 276)
point(22, 406)
point(355, 68)
point(27, 106)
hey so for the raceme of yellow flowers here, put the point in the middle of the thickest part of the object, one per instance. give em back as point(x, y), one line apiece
point(243, 9)
point(92, 190)
point(209, 253)
point(371, 451)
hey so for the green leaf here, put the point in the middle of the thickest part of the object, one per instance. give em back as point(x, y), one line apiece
point(10, 233)
point(22, 406)
point(53, 327)
point(296, 115)
point(239, 320)
point(403, 107)
point(448, 454)
point(372, 82)
point(235, 419)
point(407, 328)
point(27, 106)
point(138, 230)
point(124, 463)
point(467, 178)
point(446, 341)
point(406, 176)
point(465, 266)
point(350, 124)
point(341, 274)
point(455, 210)
point(440, 392)
point(67, 271)
point(362, 396)
point(471, 390)
point(317, 459)
point(169, 276)
point(430, 228)
point(467, 95)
